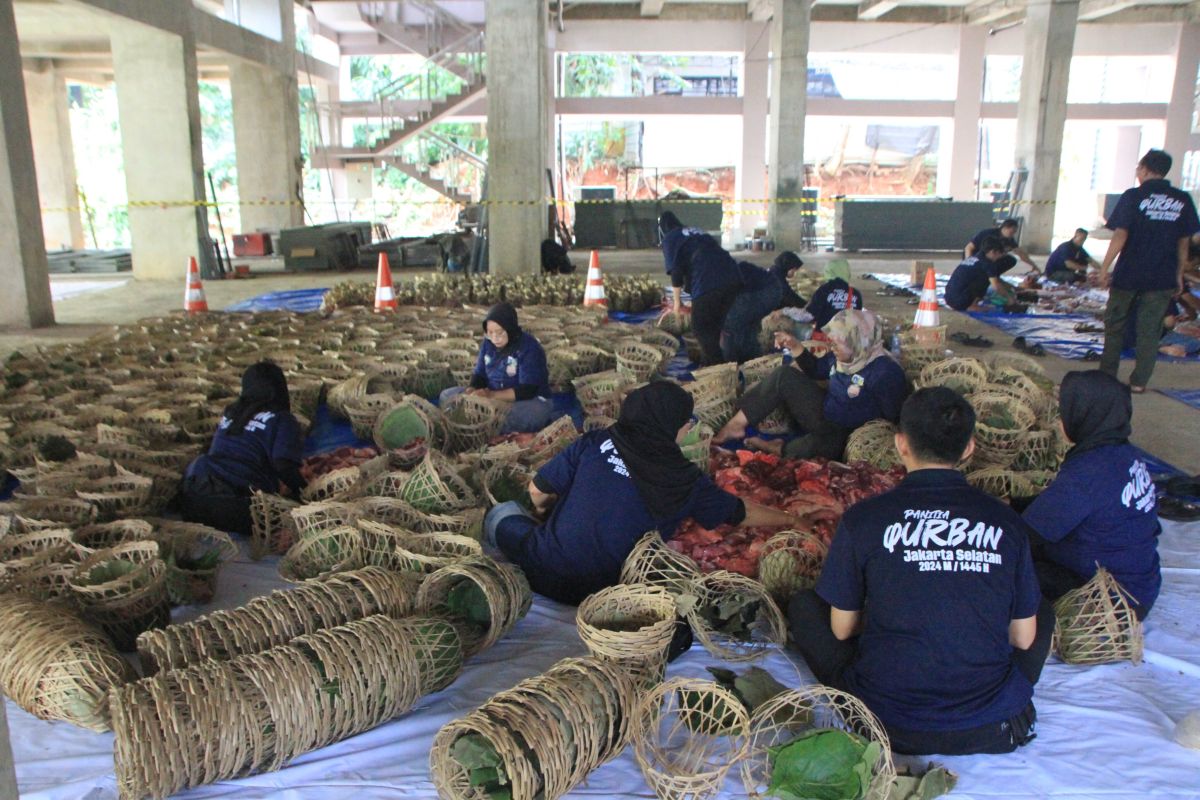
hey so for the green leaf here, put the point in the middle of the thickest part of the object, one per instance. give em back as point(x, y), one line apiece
point(822, 764)
point(936, 782)
point(467, 601)
point(485, 768)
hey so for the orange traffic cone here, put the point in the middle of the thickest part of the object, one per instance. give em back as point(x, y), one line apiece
point(385, 296)
point(927, 311)
point(593, 295)
point(194, 301)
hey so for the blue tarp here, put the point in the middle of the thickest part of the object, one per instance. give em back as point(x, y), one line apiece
point(329, 433)
point(1189, 397)
point(299, 300)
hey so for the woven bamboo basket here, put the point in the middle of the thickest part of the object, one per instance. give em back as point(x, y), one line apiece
point(630, 625)
point(790, 562)
point(997, 445)
point(715, 413)
point(597, 423)
point(1038, 452)
point(404, 432)
point(344, 392)
point(1000, 482)
point(590, 359)
point(756, 369)
point(429, 552)
point(126, 495)
point(311, 519)
point(467, 523)
point(719, 381)
point(873, 443)
point(548, 732)
point(687, 735)
point(472, 421)
point(123, 590)
point(1096, 623)
point(363, 412)
point(1009, 379)
point(338, 485)
point(379, 543)
point(386, 510)
point(57, 511)
point(504, 482)
point(963, 375)
point(272, 530)
point(1018, 361)
point(551, 440)
point(239, 717)
point(503, 586)
point(101, 535)
point(434, 487)
point(652, 563)
point(778, 721)
point(330, 550)
point(563, 365)
point(601, 393)
point(429, 379)
point(697, 444)
point(664, 340)
point(765, 627)
point(47, 541)
point(44, 576)
point(55, 666)
point(194, 554)
point(279, 617)
point(639, 360)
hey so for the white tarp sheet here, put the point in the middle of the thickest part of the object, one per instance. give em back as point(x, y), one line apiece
point(1103, 732)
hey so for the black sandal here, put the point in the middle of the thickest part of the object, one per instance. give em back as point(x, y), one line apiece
point(970, 340)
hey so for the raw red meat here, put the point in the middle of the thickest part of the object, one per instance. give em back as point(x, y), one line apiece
point(316, 466)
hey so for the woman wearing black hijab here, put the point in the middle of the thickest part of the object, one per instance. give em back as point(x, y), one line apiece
point(699, 265)
point(599, 496)
point(258, 445)
point(1101, 508)
point(511, 368)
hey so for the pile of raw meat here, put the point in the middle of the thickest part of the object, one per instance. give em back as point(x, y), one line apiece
point(821, 489)
point(316, 466)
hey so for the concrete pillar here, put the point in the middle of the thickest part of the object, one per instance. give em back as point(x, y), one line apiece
point(964, 152)
point(54, 154)
point(752, 170)
point(1183, 96)
point(1042, 112)
point(25, 299)
point(789, 97)
point(266, 129)
point(517, 137)
point(159, 113)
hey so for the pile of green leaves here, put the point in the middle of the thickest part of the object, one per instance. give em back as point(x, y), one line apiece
point(823, 764)
point(56, 448)
point(466, 601)
point(1000, 419)
point(709, 714)
point(196, 563)
point(509, 485)
point(107, 571)
point(485, 768)
point(732, 614)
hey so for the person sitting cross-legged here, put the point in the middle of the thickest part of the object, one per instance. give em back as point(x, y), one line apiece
point(928, 606)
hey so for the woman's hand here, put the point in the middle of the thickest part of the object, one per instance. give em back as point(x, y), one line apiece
point(785, 341)
point(484, 393)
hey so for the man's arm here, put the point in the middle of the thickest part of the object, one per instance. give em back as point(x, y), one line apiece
point(846, 624)
point(1021, 632)
point(1183, 261)
point(542, 501)
point(1021, 254)
point(1115, 246)
point(969, 250)
point(1003, 289)
point(763, 516)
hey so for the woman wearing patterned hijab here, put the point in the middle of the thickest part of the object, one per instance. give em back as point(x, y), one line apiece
point(825, 398)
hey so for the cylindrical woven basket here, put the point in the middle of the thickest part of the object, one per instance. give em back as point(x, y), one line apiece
point(404, 432)
point(504, 482)
point(550, 441)
point(778, 721)
point(697, 444)
point(713, 592)
point(688, 733)
point(274, 619)
point(434, 487)
point(466, 523)
point(272, 531)
point(1038, 452)
point(1000, 483)
point(472, 421)
point(429, 552)
point(338, 485)
point(638, 360)
point(601, 393)
point(123, 589)
point(715, 413)
point(102, 535)
point(997, 444)
point(330, 550)
point(756, 369)
point(120, 496)
point(1096, 623)
point(56, 666)
point(503, 586)
point(194, 554)
point(963, 375)
point(547, 733)
point(631, 625)
point(313, 518)
point(873, 443)
point(218, 720)
point(387, 510)
point(790, 562)
point(652, 563)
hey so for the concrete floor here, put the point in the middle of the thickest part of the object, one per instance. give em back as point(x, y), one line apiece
point(1162, 426)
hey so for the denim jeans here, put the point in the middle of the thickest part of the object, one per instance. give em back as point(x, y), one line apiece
point(505, 511)
point(743, 323)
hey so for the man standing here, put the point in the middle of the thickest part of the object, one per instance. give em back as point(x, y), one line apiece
point(1007, 234)
point(928, 606)
point(1069, 262)
point(1152, 225)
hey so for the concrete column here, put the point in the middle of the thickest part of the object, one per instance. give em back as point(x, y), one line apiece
point(159, 113)
point(54, 154)
point(752, 170)
point(266, 129)
point(964, 152)
point(789, 97)
point(1183, 97)
point(25, 298)
point(517, 139)
point(1042, 112)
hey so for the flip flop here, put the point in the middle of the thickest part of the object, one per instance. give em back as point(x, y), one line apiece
point(1135, 389)
point(970, 340)
point(1177, 510)
point(1036, 350)
point(1088, 327)
point(1091, 355)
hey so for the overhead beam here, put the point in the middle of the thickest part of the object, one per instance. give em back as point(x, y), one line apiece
point(1095, 9)
point(874, 9)
point(652, 8)
point(992, 11)
point(760, 10)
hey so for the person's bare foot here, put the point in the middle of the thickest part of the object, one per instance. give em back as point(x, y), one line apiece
point(1175, 350)
point(772, 446)
point(734, 429)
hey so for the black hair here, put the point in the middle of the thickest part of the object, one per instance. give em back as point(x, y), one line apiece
point(1084, 231)
point(1010, 223)
point(938, 424)
point(786, 262)
point(991, 243)
point(264, 388)
point(1156, 161)
point(667, 222)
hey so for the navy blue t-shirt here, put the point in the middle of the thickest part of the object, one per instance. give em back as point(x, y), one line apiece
point(754, 277)
point(970, 280)
point(938, 569)
point(1157, 216)
point(246, 461)
point(697, 262)
point(597, 520)
point(1102, 508)
point(874, 392)
point(1065, 252)
point(1007, 241)
point(830, 298)
point(524, 366)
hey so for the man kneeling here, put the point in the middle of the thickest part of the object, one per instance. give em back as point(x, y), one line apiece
point(928, 606)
